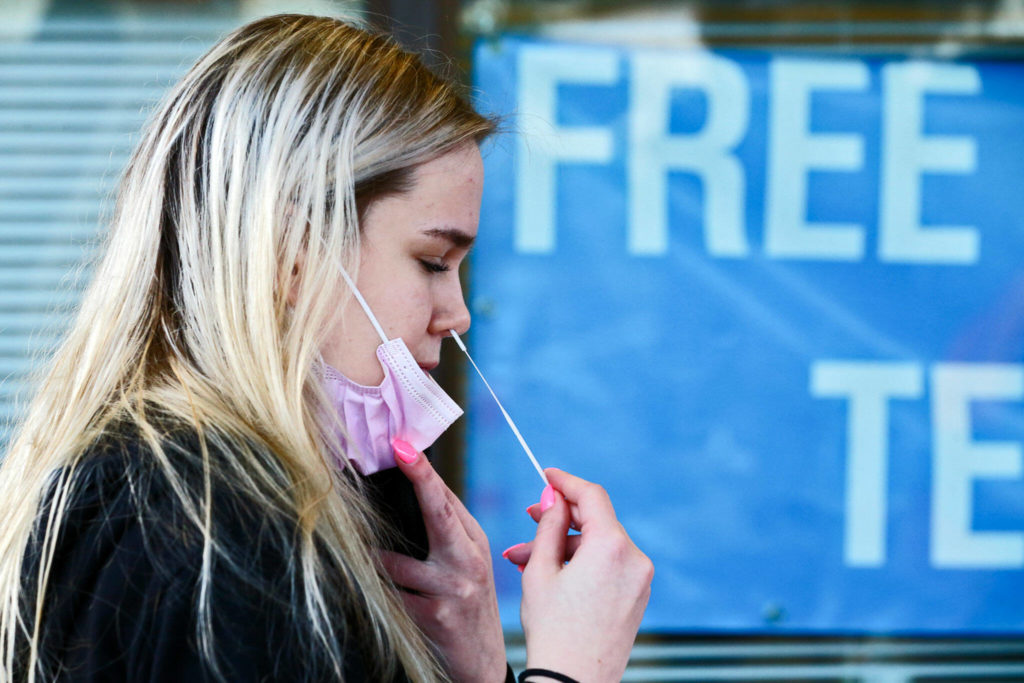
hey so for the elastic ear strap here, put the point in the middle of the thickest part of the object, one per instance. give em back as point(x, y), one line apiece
point(362, 302)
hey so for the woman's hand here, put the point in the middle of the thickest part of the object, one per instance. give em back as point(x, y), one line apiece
point(583, 596)
point(451, 594)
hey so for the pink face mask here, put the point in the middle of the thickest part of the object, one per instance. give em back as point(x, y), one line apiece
point(408, 405)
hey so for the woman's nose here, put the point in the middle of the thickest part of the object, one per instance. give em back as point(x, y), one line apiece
point(453, 313)
point(462, 320)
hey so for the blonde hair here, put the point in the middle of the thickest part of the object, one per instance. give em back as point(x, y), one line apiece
point(262, 156)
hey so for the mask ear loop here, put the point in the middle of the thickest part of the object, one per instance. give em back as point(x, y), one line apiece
point(508, 418)
point(362, 302)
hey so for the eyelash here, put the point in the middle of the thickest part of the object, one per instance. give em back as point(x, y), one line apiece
point(432, 267)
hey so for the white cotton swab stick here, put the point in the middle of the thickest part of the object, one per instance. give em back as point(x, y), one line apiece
point(508, 418)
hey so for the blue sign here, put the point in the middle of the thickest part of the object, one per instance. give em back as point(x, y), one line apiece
point(775, 305)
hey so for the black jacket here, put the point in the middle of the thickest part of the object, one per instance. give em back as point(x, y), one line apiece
point(121, 600)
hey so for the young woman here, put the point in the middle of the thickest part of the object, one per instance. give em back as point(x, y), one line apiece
point(191, 495)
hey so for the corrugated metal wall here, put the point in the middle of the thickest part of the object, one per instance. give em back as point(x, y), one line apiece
point(685, 657)
point(74, 94)
point(933, 27)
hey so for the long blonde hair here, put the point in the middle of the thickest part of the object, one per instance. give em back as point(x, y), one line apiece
point(261, 157)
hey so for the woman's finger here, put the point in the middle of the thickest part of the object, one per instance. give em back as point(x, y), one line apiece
point(408, 572)
point(549, 543)
point(438, 504)
point(469, 524)
point(591, 500)
point(574, 515)
point(520, 553)
point(422, 608)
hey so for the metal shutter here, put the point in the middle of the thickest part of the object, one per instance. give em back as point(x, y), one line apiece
point(73, 97)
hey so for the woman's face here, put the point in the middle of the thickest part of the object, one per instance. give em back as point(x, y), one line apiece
point(412, 245)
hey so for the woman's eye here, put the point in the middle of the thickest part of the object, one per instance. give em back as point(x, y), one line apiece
point(434, 266)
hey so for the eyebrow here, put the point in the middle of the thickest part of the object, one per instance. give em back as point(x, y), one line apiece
point(454, 235)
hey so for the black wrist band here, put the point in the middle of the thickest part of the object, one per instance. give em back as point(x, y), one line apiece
point(546, 673)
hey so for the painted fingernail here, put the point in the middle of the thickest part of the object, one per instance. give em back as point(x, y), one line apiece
point(404, 451)
point(521, 567)
point(510, 549)
point(547, 498)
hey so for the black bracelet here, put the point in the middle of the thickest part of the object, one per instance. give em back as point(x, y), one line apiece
point(546, 673)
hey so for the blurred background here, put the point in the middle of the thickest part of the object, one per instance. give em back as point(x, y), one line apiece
point(753, 266)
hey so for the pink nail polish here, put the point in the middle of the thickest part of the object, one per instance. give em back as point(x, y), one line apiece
point(404, 451)
point(510, 549)
point(547, 498)
point(521, 567)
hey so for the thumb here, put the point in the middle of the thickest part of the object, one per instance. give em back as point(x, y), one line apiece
point(549, 544)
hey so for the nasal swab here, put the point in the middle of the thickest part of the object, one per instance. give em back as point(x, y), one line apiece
point(508, 418)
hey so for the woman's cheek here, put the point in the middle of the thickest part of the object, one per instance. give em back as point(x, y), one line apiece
point(416, 310)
